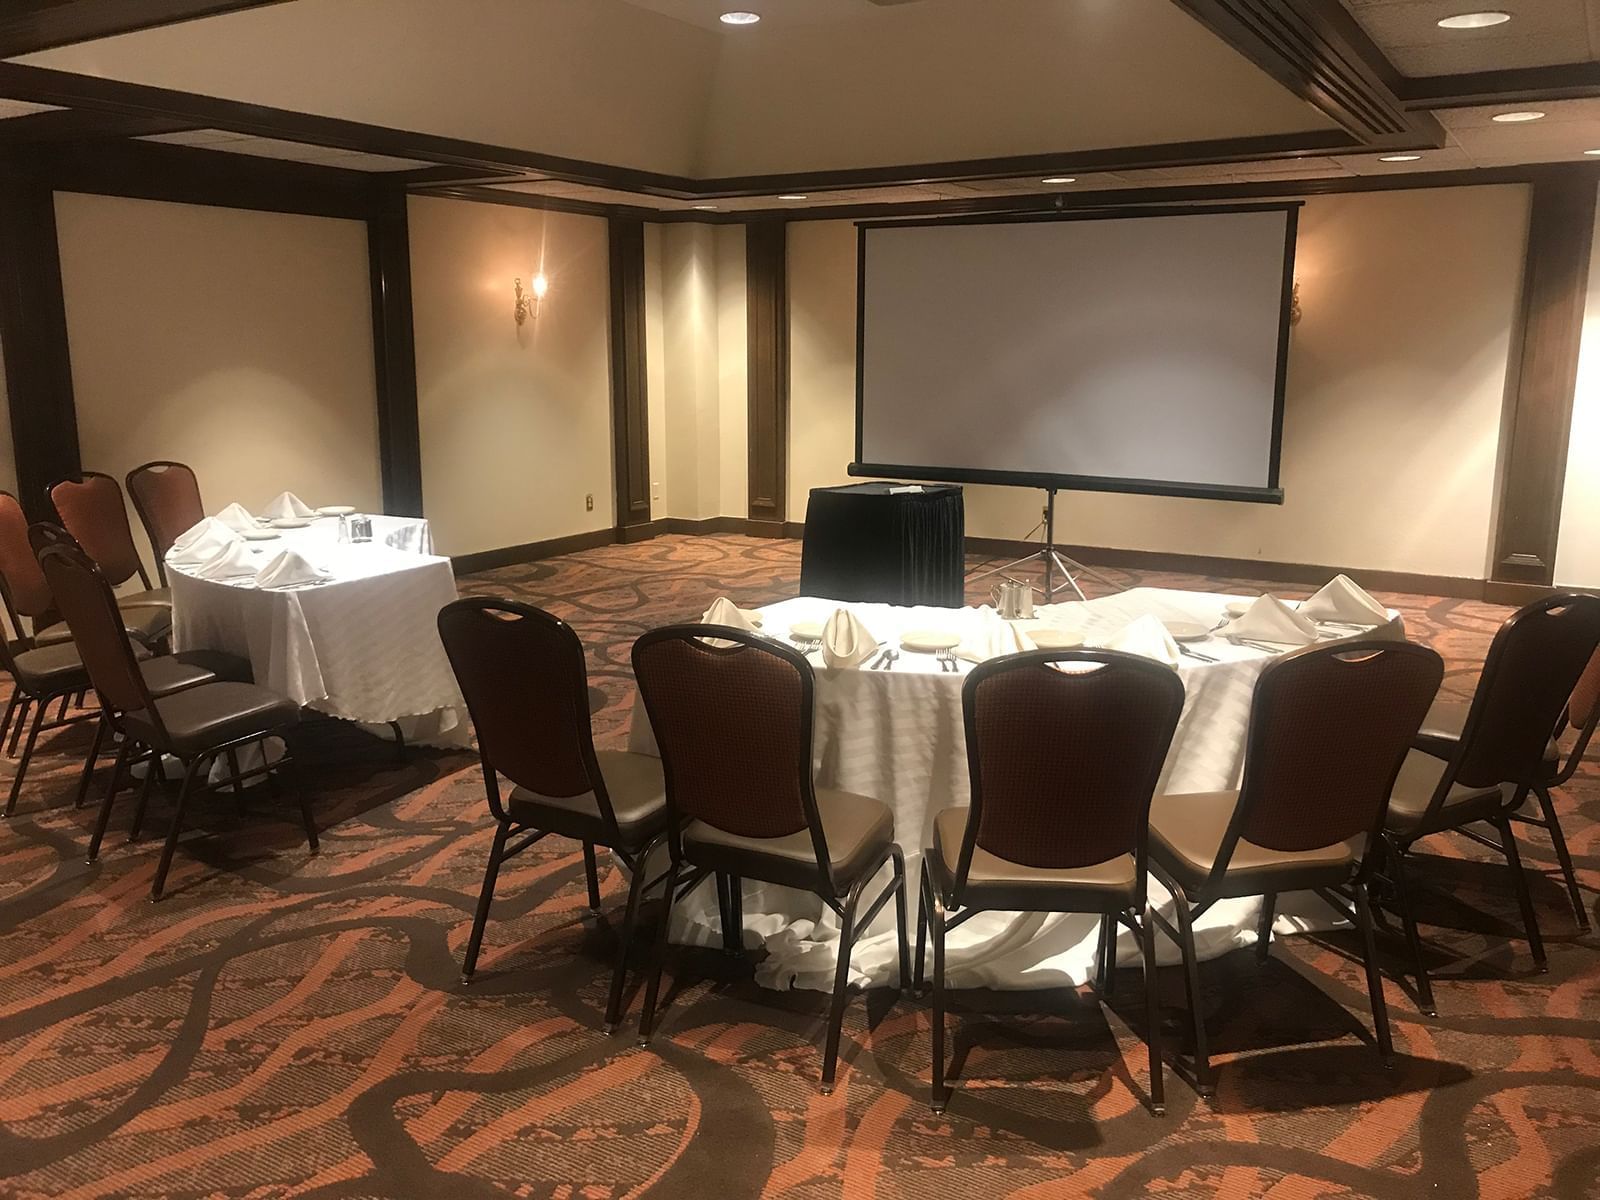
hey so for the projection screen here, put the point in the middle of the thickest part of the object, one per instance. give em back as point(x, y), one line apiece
point(1141, 351)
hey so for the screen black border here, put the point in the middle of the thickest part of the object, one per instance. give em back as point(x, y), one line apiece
point(1271, 494)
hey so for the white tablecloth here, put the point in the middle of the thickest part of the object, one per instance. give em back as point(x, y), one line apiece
point(898, 736)
point(363, 646)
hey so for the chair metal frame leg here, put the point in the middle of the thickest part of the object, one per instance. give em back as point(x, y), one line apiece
point(1369, 947)
point(104, 818)
point(155, 773)
point(653, 988)
point(903, 942)
point(1530, 918)
point(1558, 842)
point(940, 1090)
point(27, 754)
point(637, 887)
point(591, 872)
point(1394, 859)
point(1152, 1002)
point(102, 728)
point(291, 772)
point(1203, 1081)
point(1269, 908)
point(480, 919)
point(185, 790)
point(11, 708)
point(924, 906)
point(841, 985)
point(16, 730)
point(1103, 953)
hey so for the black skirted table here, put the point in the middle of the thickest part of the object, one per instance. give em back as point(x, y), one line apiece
point(867, 542)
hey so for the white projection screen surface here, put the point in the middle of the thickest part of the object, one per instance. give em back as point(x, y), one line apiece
point(1129, 353)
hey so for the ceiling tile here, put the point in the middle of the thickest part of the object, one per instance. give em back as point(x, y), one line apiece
point(23, 108)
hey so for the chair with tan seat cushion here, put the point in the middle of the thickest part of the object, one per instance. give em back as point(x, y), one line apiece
point(146, 616)
point(92, 510)
point(527, 689)
point(1330, 727)
point(1481, 764)
point(1063, 749)
point(1562, 755)
point(732, 715)
point(197, 724)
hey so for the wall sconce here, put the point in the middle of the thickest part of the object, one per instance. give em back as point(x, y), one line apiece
point(528, 302)
point(1294, 303)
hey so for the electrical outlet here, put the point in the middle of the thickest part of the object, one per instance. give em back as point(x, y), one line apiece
point(655, 491)
point(588, 502)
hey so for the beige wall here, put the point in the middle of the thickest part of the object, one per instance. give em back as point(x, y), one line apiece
point(238, 342)
point(1578, 552)
point(695, 324)
point(515, 423)
point(1396, 383)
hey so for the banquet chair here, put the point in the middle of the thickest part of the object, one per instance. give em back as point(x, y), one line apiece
point(166, 495)
point(1064, 748)
point(522, 673)
point(1577, 722)
point(195, 725)
point(91, 509)
point(22, 585)
point(1500, 754)
point(1329, 728)
point(732, 715)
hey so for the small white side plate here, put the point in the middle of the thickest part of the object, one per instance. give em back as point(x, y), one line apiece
point(929, 641)
point(1055, 639)
point(290, 522)
point(259, 535)
point(1187, 631)
point(336, 510)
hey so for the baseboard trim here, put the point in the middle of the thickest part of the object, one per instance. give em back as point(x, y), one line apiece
point(1306, 574)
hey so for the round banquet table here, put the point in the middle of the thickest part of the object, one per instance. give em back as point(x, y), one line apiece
point(362, 646)
point(898, 735)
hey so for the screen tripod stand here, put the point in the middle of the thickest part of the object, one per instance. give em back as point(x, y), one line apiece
point(1053, 559)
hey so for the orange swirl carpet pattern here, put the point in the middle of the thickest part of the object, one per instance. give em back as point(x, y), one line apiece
point(287, 1025)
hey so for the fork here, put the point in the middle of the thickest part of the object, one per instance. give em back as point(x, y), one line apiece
point(947, 662)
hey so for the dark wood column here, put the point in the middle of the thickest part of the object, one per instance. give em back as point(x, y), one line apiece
point(33, 337)
point(767, 312)
point(1543, 379)
point(394, 354)
point(630, 417)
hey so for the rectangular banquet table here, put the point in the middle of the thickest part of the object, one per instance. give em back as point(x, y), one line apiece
point(898, 736)
point(363, 646)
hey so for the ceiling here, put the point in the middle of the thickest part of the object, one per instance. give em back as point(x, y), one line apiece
point(657, 104)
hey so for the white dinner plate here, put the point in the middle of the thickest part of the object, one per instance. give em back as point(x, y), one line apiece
point(290, 522)
point(806, 631)
point(929, 641)
point(1187, 631)
point(1055, 639)
point(259, 535)
point(336, 510)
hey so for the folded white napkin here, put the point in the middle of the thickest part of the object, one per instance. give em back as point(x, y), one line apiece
point(725, 612)
point(1148, 638)
point(1269, 619)
point(846, 642)
point(287, 504)
point(237, 517)
point(290, 568)
point(200, 541)
point(231, 561)
point(1342, 599)
point(989, 635)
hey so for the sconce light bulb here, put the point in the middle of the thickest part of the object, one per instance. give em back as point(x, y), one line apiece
point(541, 285)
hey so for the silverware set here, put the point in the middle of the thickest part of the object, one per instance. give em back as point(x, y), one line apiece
point(947, 662)
point(885, 660)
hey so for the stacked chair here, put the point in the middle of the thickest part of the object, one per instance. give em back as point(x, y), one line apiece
point(92, 510)
point(166, 495)
point(196, 723)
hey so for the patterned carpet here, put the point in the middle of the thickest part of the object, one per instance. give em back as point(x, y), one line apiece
point(287, 1025)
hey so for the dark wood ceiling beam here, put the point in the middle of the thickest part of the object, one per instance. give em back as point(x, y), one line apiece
point(27, 26)
point(77, 125)
point(1517, 85)
point(1321, 54)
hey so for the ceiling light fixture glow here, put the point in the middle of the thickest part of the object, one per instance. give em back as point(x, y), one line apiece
point(1474, 20)
point(791, 197)
point(1400, 158)
point(1059, 179)
point(1517, 118)
point(1595, 153)
point(740, 18)
point(705, 208)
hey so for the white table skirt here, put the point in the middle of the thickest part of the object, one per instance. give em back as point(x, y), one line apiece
point(898, 736)
point(364, 647)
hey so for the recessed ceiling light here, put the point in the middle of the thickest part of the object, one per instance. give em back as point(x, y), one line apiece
point(1596, 153)
point(705, 208)
point(1059, 179)
point(791, 197)
point(1475, 20)
point(1400, 158)
point(740, 18)
point(1516, 118)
